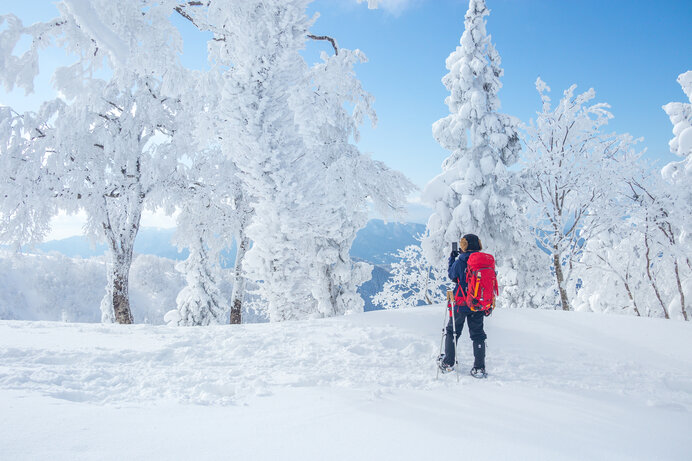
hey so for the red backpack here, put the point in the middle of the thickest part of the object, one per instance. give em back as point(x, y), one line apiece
point(481, 282)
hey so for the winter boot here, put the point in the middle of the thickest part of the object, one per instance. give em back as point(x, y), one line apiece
point(479, 354)
point(478, 372)
point(444, 367)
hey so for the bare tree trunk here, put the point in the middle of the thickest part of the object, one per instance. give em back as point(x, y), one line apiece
point(333, 293)
point(561, 282)
point(682, 294)
point(425, 290)
point(120, 227)
point(650, 276)
point(634, 303)
point(239, 280)
point(120, 282)
point(115, 306)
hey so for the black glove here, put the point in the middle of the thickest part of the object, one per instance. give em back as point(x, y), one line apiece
point(454, 254)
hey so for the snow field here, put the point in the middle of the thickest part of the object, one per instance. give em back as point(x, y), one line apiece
point(215, 365)
point(561, 386)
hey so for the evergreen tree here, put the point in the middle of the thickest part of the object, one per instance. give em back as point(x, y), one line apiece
point(474, 192)
point(206, 226)
point(680, 172)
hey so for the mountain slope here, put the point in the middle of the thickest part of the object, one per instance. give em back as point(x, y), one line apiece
point(561, 386)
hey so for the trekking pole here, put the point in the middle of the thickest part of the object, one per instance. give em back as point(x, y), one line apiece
point(448, 314)
point(454, 337)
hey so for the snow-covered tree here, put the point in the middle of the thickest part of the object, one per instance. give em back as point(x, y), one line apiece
point(413, 282)
point(107, 148)
point(475, 193)
point(24, 138)
point(285, 128)
point(346, 181)
point(657, 203)
point(569, 170)
point(639, 263)
point(680, 114)
point(206, 226)
point(680, 172)
point(612, 277)
point(258, 43)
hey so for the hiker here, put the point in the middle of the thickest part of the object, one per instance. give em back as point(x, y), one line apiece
point(468, 245)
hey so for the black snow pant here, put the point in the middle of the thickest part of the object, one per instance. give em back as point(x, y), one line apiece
point(478, 336)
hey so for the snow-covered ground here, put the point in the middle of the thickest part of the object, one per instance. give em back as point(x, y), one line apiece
point(562, 386)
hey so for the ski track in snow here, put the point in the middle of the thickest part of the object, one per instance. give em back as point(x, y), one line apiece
point(378, 352)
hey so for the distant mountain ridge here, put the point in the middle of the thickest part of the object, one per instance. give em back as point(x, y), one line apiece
point(376, 243)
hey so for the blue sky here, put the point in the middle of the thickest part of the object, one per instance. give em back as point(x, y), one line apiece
point(629, 51)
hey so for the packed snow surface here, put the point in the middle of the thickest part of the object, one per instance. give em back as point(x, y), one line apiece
point(562, 385)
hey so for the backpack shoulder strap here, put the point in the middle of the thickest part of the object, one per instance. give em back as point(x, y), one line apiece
point(459, 289)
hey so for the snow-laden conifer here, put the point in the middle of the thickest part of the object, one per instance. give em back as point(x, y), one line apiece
point(474, 192)
point(200, 301)
point(207, 224)
point(680, 114)
point(680, 172)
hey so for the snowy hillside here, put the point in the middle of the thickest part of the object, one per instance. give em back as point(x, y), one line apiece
point(562, 386)
point(55, 287)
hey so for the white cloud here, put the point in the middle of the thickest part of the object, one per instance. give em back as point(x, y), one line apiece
point(392, 6)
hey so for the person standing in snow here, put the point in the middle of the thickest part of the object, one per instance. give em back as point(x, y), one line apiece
point(458, 262)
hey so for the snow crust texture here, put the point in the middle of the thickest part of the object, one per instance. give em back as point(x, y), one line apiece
point(215, 365)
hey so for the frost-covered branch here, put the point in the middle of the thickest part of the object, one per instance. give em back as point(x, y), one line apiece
point(328, 38)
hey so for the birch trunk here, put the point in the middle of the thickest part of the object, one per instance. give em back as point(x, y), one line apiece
point(120, 227)
point(650, 275)
point(680, 291)
point(239, 280)
point(559, 276)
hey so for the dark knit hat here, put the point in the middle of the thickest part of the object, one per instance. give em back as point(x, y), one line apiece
point(470, 242)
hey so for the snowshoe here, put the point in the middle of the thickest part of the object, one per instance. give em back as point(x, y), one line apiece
point(444, 367)
point(478, 373)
